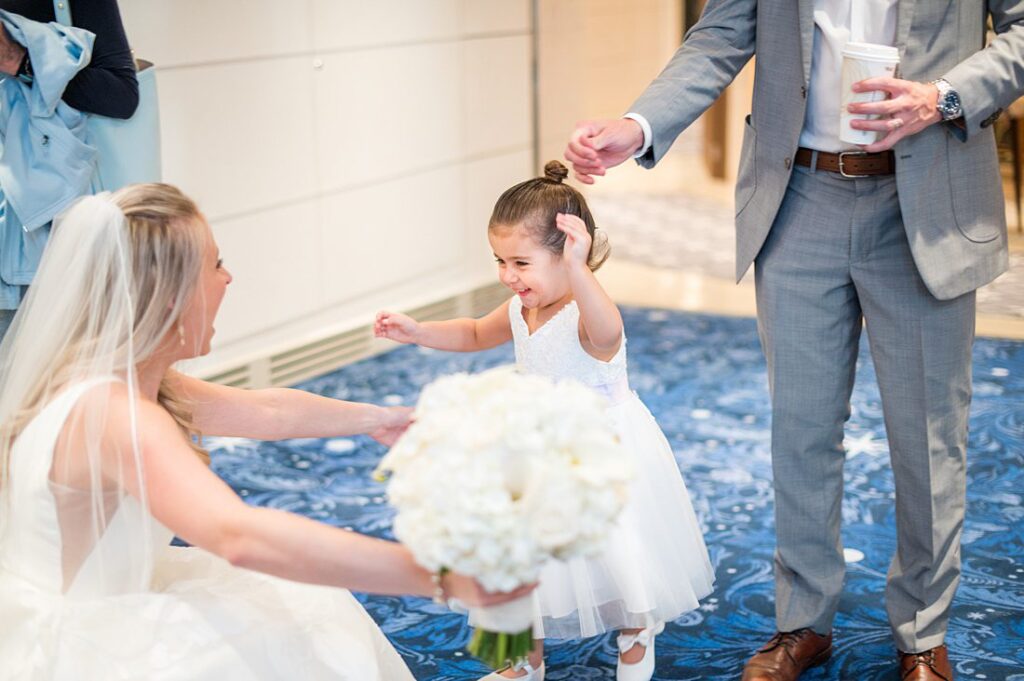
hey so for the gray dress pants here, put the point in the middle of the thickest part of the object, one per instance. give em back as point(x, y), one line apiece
point(836, 261)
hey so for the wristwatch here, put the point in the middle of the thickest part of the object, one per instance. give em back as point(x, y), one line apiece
point(949, 100)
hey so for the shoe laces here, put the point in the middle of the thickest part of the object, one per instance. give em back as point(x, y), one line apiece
point(787, 640)
point(927, 658)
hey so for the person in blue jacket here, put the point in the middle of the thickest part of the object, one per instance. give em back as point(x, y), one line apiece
point(62, 74)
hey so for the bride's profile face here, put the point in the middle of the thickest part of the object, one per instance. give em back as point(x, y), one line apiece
point(197, 319)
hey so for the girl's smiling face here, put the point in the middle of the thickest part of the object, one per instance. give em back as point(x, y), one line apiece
point(533, 272)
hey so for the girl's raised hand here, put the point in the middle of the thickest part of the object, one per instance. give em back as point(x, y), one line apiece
point(396, 326)
point(577, 239)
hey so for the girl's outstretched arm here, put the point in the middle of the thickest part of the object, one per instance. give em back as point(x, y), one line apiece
point(600, 319)
point(458, 335)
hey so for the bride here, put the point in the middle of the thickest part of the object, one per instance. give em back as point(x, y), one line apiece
point(101, 464)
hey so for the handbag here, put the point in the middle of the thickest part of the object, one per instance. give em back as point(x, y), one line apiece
point(127, 150)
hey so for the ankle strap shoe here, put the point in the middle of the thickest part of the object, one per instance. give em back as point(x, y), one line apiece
point(644, 669)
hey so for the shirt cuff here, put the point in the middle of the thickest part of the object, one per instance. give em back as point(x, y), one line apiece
point(646, 127)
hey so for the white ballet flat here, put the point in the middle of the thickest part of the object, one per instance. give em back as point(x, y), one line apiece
point(644, 669)
point(531, 673)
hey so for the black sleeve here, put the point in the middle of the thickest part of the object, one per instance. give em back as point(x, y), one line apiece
point(107, 86)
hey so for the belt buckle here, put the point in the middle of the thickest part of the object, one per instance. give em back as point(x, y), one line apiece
point(842, 169)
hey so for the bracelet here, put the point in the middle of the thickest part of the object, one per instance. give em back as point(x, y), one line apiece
point(440, 597)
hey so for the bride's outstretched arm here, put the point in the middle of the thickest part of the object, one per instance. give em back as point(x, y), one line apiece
point(188, 498)
point(279, 413)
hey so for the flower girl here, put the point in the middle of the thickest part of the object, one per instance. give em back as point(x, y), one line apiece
point(564, 325)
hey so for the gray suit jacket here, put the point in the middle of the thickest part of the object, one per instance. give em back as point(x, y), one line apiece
point(948, 179)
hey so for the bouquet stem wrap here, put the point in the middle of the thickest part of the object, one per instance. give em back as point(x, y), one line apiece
point(503, 635)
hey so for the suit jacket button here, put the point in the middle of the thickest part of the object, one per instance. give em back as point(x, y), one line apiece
point(788, 162)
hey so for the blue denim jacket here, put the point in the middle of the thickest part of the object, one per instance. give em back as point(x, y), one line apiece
point(45, 163)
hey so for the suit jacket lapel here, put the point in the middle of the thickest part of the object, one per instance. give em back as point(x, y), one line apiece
point(806, 9)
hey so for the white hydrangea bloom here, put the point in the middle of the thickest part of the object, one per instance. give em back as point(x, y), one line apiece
point(501, 472)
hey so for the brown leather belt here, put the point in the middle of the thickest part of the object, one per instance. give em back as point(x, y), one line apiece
point(850, 163)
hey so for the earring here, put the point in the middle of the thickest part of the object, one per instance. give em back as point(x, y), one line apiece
point(181, 334)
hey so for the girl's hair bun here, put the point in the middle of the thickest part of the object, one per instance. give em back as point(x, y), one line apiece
point(555, 171)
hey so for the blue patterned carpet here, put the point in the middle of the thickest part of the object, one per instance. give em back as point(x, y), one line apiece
point(704, 379)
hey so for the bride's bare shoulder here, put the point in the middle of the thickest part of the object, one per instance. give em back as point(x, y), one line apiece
point(119, 411)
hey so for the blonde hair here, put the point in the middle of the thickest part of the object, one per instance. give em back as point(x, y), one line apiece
point(157, 257)
point(167, 254)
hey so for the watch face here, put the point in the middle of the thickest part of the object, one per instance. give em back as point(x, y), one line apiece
point(950, 104)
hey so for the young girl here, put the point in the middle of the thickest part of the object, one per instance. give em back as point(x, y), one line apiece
point(565, 326)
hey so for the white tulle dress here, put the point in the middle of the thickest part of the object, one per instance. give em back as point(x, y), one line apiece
point(656, 565)
point(195, 617)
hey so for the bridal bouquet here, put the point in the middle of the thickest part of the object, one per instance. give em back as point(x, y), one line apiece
point(499, 473)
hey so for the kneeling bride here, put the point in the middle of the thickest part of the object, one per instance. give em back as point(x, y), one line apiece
point(101, 466)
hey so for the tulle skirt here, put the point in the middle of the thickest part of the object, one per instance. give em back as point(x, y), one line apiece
point(655, 566)
point(204, 620)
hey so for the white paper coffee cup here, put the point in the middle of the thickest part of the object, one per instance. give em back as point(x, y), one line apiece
point(860, 61)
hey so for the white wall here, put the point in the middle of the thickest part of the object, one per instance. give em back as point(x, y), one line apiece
point(346, 152)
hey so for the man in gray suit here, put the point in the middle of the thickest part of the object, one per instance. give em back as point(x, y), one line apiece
point(895, 236)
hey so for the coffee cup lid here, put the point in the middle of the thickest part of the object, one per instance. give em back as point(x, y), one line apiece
point(872, 51)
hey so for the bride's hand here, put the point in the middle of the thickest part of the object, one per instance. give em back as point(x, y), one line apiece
point(396, 326)
point(471, 593)
point(396, 420)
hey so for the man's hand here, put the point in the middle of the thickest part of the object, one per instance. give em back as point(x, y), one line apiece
point(596, 146)
point(909, 109)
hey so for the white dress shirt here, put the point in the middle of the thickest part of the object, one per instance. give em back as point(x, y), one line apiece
point(832, 30)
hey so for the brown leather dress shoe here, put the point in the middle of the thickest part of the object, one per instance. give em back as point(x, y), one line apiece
point(788, 655)
point(931, 665)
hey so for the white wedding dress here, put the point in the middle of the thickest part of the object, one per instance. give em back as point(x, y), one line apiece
point(656, 565)
point(137, 608)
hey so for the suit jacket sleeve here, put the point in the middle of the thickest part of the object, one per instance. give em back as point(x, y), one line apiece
point(711, 55)
point(992, 78)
